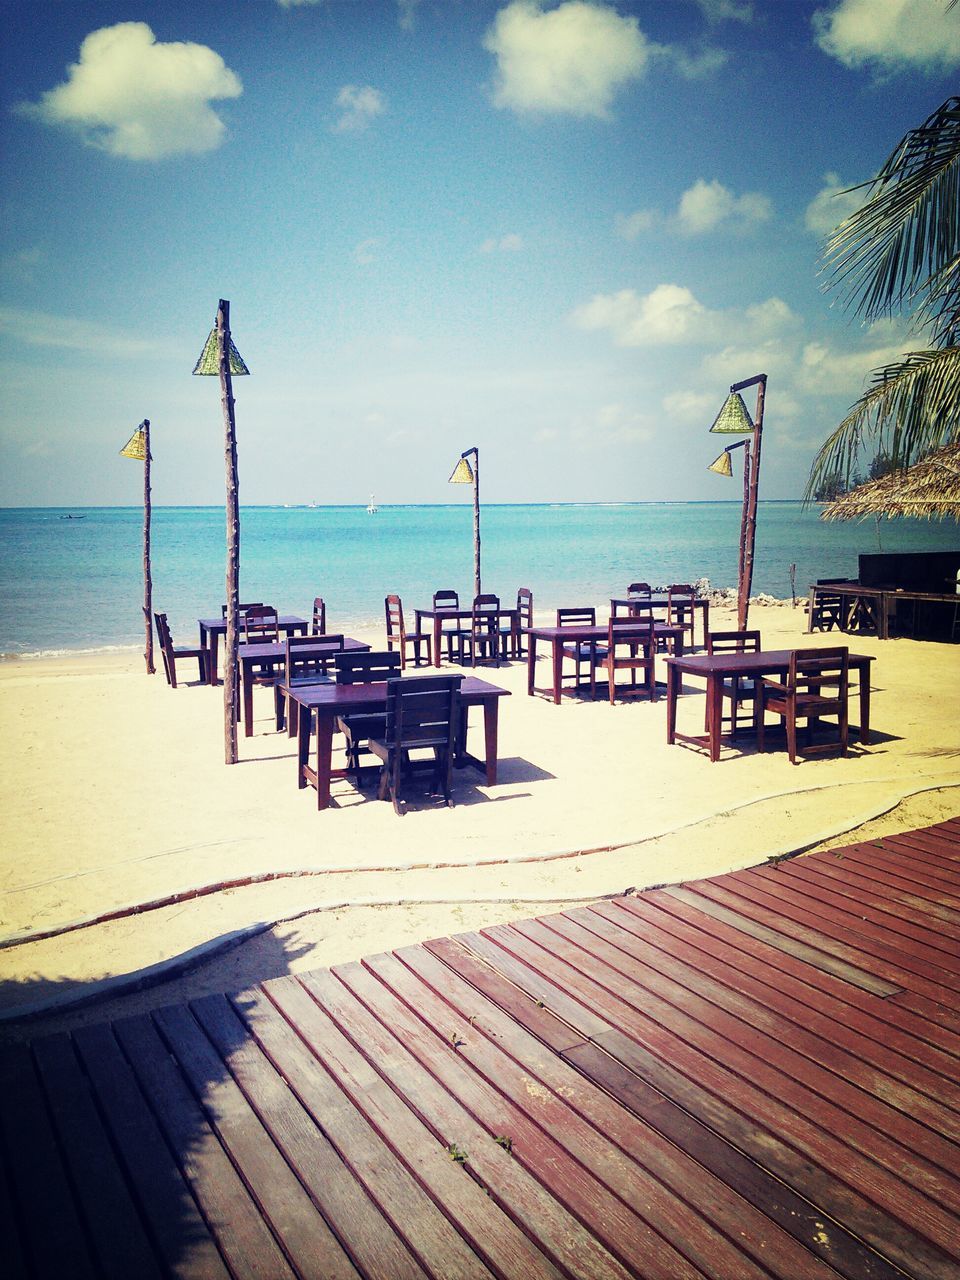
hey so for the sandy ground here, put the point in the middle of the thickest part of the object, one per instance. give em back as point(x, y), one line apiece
point(115, 797)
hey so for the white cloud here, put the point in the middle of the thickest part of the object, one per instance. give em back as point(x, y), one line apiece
point(690, 407)
point(297, 4)
point(360, 104)
point(631, 225)
point(692, 66)
point(892, 35)
point(365, 252)
point(40, 329)
point(610, 424)
point(827, 372)
point(407, 16)
point(708, 206)
point(131, 96)
point(726, 10)
point(831, 205)
point(510, 243)
point(566, 61)
point(670, 314)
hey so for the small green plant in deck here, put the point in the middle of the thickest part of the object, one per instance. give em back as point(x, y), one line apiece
point(457, 1153)
point(505, 1142)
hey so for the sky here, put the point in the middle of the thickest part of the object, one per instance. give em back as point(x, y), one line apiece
point(556, 231)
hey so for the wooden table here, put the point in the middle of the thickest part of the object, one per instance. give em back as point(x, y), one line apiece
point(332, 700)
point(639, 605)
point(253, 655)
point(715, 668)
point(559, 636)
point(870, 609)
point(211, 629)
point(440, 615)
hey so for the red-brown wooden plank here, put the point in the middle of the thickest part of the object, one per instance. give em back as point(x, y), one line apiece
point(241, 1233)
point(556, 1113)
point(120, 1243)
point(45, 1206)
point(866, 1185)
point(895, 882)
point(898, 868)
point(403, 1202)
point(397, 1117)
point(850, 881)
point(14, 1255)
point(283, 1201)
point(796, 1215)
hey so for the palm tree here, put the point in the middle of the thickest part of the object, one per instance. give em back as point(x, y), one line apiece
point(899, 253)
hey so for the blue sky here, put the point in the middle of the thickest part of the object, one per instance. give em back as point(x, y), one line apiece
point(556, 231)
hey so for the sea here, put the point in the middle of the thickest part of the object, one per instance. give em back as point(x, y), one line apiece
point(71, 578)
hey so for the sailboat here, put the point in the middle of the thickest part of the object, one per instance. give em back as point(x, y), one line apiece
point(372, 507)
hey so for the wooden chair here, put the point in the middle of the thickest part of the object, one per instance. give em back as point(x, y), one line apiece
point(448, 600)
point(524, 623)
point(308, 660)
point(631, 646)
point(359, 726)
point(482, 638)
point(422, 714)
point(260, 625)
point(318, 627)
point(816, 687)
point(827, 609)
point(397, 634)
point(739, 689)
point(680, 610)
point(583, 652)
point(170, 654)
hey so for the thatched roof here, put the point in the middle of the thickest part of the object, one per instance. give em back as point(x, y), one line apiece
point(929, 489)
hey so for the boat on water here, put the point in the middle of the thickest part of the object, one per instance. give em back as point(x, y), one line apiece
point(372, 507)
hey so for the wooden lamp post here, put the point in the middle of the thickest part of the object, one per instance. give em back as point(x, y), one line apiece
point(221, 358)
point(138, 448)
point(733, 419)
point(463, 473)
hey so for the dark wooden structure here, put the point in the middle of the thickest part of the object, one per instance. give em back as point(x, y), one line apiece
point(913, 594)
point(750, 1076)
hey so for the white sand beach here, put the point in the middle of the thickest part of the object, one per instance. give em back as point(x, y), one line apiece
point(116, 801)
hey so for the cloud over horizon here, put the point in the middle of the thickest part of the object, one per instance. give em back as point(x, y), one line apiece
point(137, 98)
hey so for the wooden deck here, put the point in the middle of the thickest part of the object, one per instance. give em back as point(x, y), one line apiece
point(752, 1076)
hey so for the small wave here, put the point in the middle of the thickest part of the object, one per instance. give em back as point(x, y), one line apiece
point(70, 653)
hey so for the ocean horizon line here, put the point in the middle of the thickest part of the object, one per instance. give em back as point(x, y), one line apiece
point(351, 506)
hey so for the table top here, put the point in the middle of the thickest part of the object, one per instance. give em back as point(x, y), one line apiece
point(599, 632)
point(283, 620)
point(339, 696)
point(503, 611)
point(278, 649)
point(745, 663)
point(658, 601)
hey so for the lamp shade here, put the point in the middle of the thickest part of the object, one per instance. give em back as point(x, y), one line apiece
point(722, 465)
point(462, 473)
point(733, 419)
point(209, 363)
point(136, 446)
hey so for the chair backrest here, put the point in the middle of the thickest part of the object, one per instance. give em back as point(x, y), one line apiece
point(242, 608)
point(393, 610)
point(817, 670)
point(733, 642)
point(422, 709)
point(680, 598)
point(308, 656)
point(638, 589)
point(570, 617)
point(260, 625)
point(163, 631)
point(446, 599)
point(318, 627)
point(632, 631)
point(525, 607)
point(366, 668)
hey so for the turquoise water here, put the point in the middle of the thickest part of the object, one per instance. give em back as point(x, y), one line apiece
point(76, 584)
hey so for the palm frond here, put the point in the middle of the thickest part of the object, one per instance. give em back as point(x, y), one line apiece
point(889, 253)
point(909, 409)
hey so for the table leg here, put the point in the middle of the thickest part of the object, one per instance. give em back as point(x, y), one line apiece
point(324, 754)
point(491, 714)
point(303, 742)
point(865, 703)
point(437, 630)
point(557, 669)
point(673, 679)
point(706, 621)
point(531, 662)
point(214, 643)
point(715, 711)
point(246, 679)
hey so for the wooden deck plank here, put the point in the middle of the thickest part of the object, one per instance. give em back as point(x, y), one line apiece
point(280, 1196)
point(850, 882)
point(243, 1236)
point(14, 1257)
point(492, 1234)
point(45, 1204)
point(558, 1111)
point(899, 868)
point(120, 1243)
point(809, 1158)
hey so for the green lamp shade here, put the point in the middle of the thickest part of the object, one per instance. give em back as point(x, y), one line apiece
point(722, 466)
point(136, 446)
point(733, 418)
point(462, 473)
point(209, 363)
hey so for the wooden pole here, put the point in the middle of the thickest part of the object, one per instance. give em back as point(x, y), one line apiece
point(147, 575)
point(751, 522)
point(741, 562)
point(231, 692)
point(476, 521)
